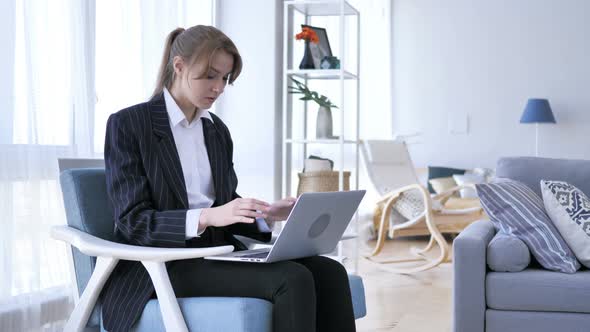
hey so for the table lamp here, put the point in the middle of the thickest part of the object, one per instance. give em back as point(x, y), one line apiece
point(537, 111)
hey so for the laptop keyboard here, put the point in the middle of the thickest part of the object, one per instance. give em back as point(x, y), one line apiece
point(256, 255)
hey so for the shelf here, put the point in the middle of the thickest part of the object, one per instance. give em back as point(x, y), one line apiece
point(340, 14)
point(319, 141)
point(321, 7)
point(318, 74)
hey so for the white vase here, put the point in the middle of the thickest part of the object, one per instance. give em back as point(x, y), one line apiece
point(324, 123)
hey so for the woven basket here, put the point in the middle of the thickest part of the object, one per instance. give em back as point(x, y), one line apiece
point(321, 181)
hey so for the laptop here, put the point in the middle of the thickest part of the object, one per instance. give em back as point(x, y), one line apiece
point(314, 227)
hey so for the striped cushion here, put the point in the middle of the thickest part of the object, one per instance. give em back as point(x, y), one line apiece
point(515, 209)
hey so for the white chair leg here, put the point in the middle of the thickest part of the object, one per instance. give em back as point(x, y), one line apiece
point(102, 271)
point(171, 314)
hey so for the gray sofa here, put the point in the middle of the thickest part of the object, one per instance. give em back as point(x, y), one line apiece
point(533, 299)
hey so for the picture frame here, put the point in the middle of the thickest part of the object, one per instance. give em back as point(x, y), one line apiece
point(322, 48)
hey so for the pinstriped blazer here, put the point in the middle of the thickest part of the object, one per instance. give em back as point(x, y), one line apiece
point(147, 191)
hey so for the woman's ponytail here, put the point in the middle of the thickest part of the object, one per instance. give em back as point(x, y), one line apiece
point(166, 72)
point(196, 44)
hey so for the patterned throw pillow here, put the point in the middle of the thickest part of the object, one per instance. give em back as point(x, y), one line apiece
point(569, 209)
point(515, 209)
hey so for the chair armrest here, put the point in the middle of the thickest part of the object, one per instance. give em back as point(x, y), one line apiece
point(469, 272)
point(108, 254)
point(94, 246)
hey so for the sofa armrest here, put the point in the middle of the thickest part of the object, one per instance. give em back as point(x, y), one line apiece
point(469, 272)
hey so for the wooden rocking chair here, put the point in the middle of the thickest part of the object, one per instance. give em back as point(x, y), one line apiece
point(393, 175)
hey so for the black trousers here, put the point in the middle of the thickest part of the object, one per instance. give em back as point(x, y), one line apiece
point(308, 294)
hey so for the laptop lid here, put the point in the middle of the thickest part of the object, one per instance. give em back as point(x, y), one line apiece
point(315, 224)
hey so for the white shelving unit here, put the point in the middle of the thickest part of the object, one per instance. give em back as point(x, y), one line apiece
point(345, 14)
point(321, 74)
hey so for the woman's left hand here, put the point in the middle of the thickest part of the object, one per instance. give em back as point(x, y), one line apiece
point(280, 210)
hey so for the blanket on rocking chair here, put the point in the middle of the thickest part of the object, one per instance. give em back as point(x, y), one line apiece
point(410, 205)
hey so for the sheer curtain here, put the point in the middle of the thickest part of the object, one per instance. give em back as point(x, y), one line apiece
point(129, 44)
point(69, 64)
point(48, 119)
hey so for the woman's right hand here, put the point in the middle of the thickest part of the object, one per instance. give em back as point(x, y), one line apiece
point(244, 210)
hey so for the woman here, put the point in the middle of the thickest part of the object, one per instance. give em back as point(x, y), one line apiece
point(171, 182)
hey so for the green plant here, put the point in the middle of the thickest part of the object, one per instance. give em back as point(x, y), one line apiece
point(301, 88)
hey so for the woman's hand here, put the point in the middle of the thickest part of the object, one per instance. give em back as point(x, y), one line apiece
point(244, 210)
point(280, 210)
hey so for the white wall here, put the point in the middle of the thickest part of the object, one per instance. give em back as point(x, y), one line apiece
point(251, 108)
point(483, 59)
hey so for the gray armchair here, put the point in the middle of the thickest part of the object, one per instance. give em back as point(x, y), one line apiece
point(533, 299)
point(89, 232)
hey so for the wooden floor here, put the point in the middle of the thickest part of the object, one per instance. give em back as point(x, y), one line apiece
point(404, 303)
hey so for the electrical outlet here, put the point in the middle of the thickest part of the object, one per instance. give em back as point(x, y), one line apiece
point(458, 123)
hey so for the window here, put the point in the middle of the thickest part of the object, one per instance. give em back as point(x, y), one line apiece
point(130, 39)
point(42, 80)
point(75, 62)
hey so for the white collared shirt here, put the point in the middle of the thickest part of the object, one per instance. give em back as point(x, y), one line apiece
point(194, 160)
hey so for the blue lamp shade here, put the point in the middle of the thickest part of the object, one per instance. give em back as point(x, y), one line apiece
point(537, 111)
